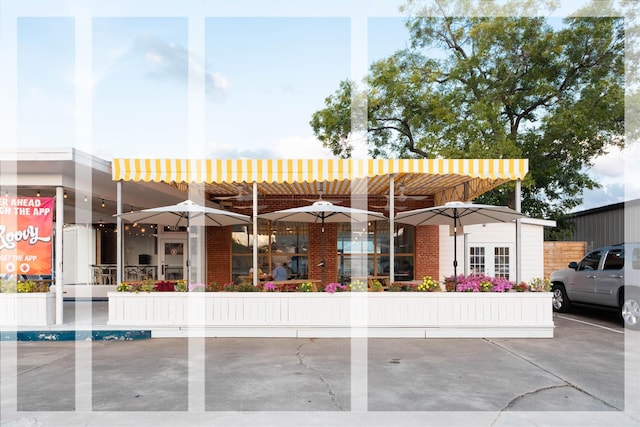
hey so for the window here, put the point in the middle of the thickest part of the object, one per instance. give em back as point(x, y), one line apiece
point(501, 262)
point(614, 260)
point(476, 260)
point(363, 249)
point(283, 242)
point(591, 261)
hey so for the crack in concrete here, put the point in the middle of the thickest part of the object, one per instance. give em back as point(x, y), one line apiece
point(566, 384)
point(332, 395)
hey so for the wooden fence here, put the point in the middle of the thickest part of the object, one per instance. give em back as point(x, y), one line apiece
point(558, 254)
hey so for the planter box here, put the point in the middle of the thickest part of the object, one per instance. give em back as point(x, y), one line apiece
point(29, 309)
point(346, 314)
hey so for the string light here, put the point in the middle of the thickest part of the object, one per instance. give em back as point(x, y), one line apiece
point(38, 193)
point(102, 204)
point(85, 198)
point(65, 195)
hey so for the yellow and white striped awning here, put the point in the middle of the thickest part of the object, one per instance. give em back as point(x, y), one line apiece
point(445, 179)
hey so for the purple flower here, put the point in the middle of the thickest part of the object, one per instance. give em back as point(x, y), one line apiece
point(334, 287)
point(270, 287)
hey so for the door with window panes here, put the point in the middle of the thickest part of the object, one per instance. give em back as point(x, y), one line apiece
point(496, 260)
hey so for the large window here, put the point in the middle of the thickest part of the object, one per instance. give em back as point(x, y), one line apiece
point(283, 242)
point(363, 250)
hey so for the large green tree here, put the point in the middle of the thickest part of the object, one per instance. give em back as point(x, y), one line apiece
point(501, 86)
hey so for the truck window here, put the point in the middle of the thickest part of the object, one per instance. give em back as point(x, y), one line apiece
point(590, 261)
point(635, 259)
point(614, 260)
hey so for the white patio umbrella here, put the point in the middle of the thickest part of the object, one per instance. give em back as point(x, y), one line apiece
point(323, 212)
point(182, 214)
point(458, 214)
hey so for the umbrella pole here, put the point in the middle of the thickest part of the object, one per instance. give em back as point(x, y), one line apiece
point(455, 252)
point(188, 251)
point(322, 261)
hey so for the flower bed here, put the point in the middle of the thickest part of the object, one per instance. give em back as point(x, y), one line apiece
point(337, 313)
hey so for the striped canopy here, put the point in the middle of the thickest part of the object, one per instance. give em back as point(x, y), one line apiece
point(443, 179)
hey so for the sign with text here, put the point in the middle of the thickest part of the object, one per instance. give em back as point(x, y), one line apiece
point(26, 235)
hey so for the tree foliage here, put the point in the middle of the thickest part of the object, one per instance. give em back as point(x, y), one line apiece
point(496, 83)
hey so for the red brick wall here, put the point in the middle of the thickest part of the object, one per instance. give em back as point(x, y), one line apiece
point(315, 252)
point(218, 254)
point(427, 252)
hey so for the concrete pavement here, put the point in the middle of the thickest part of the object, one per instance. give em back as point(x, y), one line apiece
point(576, 378)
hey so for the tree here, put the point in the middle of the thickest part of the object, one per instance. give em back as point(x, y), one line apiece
point(500, 86)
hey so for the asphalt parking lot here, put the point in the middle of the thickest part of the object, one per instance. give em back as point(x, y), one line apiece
point(586, 375)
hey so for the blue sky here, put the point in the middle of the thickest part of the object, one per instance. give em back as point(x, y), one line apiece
point(264, 77)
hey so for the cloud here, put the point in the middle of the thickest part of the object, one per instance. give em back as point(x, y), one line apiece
point(286, 148)
point(617, 172)
point(171, 61)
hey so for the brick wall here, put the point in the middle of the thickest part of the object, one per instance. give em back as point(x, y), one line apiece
point(427, 252)
point(315, 252)
point(558, 254)
point(218, 254)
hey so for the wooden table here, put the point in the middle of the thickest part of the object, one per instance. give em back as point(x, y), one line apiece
point(261, 277)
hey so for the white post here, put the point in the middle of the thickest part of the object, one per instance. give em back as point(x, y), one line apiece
point(58, 258)
point(518, 208)
point(255, 234)
point(392, 242)
point(119, 264)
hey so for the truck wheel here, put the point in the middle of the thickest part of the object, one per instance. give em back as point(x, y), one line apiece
point(630, 312)
point(561, 302)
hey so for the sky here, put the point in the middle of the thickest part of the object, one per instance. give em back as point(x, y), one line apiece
point(263, 73)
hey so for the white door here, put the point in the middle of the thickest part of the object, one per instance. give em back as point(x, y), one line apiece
point(496, 260)
point(172, 259)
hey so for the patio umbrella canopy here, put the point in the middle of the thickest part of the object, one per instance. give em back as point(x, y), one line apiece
point(458, 214)
point(182, 214)
point(323, 212)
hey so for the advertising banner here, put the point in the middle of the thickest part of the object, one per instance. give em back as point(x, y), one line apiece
point(26, 235)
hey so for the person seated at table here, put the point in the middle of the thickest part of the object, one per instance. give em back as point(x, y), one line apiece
point(260, 273)
point(279, 273)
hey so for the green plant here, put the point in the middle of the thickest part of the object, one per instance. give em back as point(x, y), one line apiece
point(246, 287)
point(305, 287)
point(358, 286)
point(428, 285)
point(376, 286)
point(538, 284)
point(181, 286)
point(23, 287)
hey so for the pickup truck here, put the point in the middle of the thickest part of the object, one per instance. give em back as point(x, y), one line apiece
point(606, 277)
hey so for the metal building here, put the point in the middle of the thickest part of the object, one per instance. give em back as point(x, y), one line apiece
point(604, 225)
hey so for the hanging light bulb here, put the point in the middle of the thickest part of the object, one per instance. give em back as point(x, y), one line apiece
point(85, 198)
point(102, 204)
point(65, 195)
point(38, 193)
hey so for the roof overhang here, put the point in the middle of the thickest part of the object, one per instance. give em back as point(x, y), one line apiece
point(443, 179)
